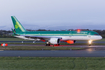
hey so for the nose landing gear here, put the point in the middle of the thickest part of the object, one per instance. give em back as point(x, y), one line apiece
point(90, 42)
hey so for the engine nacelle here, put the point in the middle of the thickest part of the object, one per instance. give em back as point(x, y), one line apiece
point(54, 40)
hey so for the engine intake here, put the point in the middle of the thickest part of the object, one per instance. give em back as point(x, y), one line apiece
point(54, 40)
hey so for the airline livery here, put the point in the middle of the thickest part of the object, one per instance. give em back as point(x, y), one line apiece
point(53, 37)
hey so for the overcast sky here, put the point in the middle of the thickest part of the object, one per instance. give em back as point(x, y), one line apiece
point(53, 14)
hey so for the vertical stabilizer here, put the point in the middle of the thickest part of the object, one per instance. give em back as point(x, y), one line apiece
point(17, 25)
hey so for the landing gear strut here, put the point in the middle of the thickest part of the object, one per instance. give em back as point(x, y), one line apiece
point(48, 44)
point(90, 42)
point(33, 41)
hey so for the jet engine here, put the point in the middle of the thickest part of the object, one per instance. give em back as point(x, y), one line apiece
point(54, 40)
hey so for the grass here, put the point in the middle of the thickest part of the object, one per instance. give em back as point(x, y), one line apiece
point(52, 63)
point(39, 48)
point(10, 39)
point(102, 39)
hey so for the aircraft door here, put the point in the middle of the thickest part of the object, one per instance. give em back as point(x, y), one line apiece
point(70, 34)
point(89, 35)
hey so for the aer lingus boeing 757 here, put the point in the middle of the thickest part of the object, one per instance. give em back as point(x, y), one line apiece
point(53, 37)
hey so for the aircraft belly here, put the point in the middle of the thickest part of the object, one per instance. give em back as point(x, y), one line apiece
point(85, 37)
point(22, 37)
point(79, 38)
point(96, 37)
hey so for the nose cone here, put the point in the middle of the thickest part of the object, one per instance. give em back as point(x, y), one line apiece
point(96, 37)
point(99, 37)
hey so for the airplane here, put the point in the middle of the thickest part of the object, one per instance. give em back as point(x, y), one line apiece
point(53, 37)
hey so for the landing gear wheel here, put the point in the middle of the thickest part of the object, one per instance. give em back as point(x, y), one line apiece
point(47, 44)
point(89, 44)
point(58, 44)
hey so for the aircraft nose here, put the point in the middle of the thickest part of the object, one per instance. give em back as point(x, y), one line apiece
point(100, 37)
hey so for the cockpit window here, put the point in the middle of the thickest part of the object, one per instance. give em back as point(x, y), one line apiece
point(96, 34)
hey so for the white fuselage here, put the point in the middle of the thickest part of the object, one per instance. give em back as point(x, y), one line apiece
point(88, 37)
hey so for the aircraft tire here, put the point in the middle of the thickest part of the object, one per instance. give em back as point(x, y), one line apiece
point(47, 44)
point(89, 44)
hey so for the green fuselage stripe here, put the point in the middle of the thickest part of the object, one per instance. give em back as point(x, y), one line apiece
point(55, 34)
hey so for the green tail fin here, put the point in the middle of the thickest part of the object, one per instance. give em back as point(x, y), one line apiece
point(17, 25)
